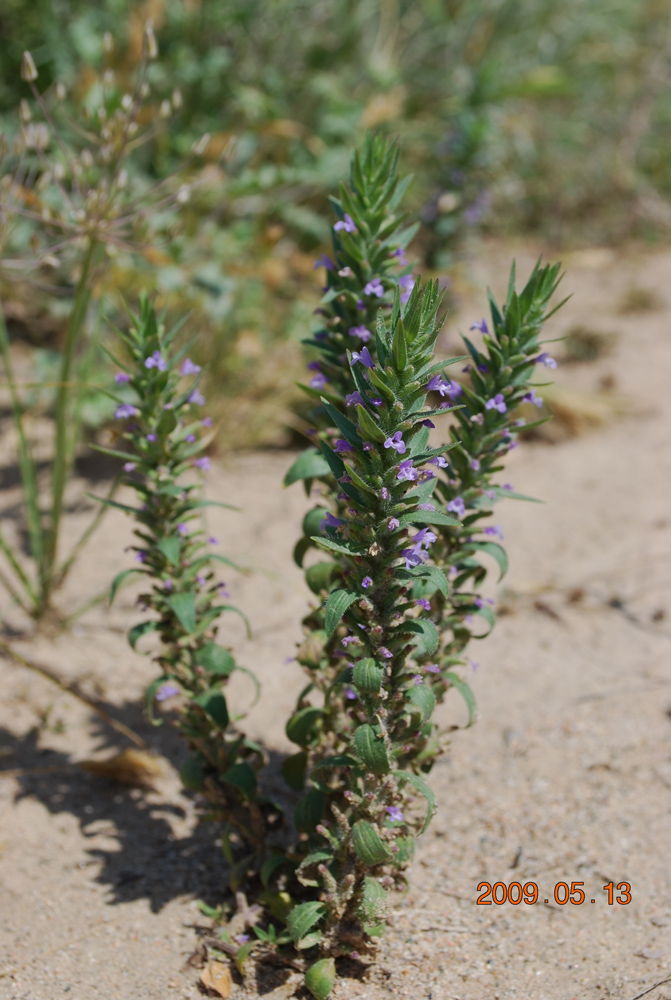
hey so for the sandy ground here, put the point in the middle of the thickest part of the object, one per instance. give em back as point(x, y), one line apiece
point(566, 776)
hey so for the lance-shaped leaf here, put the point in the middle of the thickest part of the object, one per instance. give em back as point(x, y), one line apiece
point(184, 607)
point(303, 918)
point(368, 845)
point(428, 632)
point(466, 693)
point(309, 811)
point(357, 480)
point(138, 631)
point(344, 424)
point(367, 676)
point(428, 517)
point(119, 579)
point(370, 429)
point(170, 547)
point(215, 659)
point(399, 347)
point(337, 604)
point(243, 777)
point(433, 574)
point(423, 697)
point(310, 464)
point(301, 726)
point(346, 548)
point(371, 748)
point(423, 789)
point(214, 704)
point(493, 549)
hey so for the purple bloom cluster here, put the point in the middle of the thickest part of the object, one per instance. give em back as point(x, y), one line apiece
point(497, 402)
point(407, 471)
point(396, 442)
point(156, 361)
point(416, 554)
point(346, 225)
point(362, 332)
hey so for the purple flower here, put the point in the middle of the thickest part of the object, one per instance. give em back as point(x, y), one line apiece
point(156, 361)
point(362, 332)
point(345, 479)
point(497, 402)
point(432, 668)
point(207, 422)
point(473, 665)
point(330, 521)
point(121, 377)
point(478, 418)
point(374, 287)
point(531, 397)
point(490, 494)
point(351, 638)
point(395, 814)
point(376, 400)
point(507, 486)
point(350, 693)
point(203, 463)
point(167, 584)
point(241, 938)
point(406, 471)
point(188, 367)
point(438, 384)
point(475, 464)
point(414, 557)
point(457, 506)
point(201, 579)
point(418, 679)
point(366, 582)
point(385, 653)
point(151, 438)
point(425, 506)
point(384, 493)
point(367, 446)
point(354, 399)
point(182, 529)
point(360, 305)
point(400, 253)
point(407, 283)
point(166, 691)
point(427, 423)
point(319, 381)
point(393, 523)
point(424, 537)
point(196, 397)
point(342, 445)
point(423, 603)
point(190, 438)
point(493, 529)
point(129, 466)
point(212, 540)
point(140, 557)
point(545, 360)
point(396, 442)
point(324, 261)
point(438, 460)
point(363, 356)
point(346, 224)
point(126, 410)
point(223, 590)
point(481, 326)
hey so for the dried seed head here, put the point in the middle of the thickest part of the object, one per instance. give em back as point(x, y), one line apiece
point(183, 194)
point(200, 145)
point(144, 89)
point(60, 92)
point(177, 100)
point(108, 44)
point(126, 102)
point(165, 110)
point(86, 159)
point(122, 179)
point(25, 114)
point(150, 46)
point(28, 68)
point(108, 78)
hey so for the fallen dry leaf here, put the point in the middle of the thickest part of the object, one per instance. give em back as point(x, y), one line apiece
point(217, 977)
point(130, 767)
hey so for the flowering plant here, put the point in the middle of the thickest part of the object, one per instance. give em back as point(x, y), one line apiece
point(162, 433)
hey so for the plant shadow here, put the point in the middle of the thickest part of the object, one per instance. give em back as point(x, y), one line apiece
point(147, 860)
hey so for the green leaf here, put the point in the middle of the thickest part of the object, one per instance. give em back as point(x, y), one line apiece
point(345, 548)
point(309, 811)
point(138, 631)
point(435, 575)
point(213, 704)
point(406, 850)
point(215, 659)
point(318, 577)
point(357, 480)
point(423, 789)
point(399, 347)
point(466, 693)
point(423, 697)
point(149, 696)
point(367, 844)
point(118, 580)
point(170, 547)
point(293, 770)
point(303, 918)
point(369, 428)
point(320, 978)
point(243, 953)
point(493, 549)
point(337, 760)
point(243, 777)
point(428, 517)
point(370, 747)
point(117, 506)
point(310, 464)
point(184, 607)
point(192, 773)
point(337, 604)
point(373, 903)
point(344, 424)
point(313, 519)
point(301, 726)
point(367, 676)
point(428, 632)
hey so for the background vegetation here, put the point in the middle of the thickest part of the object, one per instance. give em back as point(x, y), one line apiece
point(524, 116)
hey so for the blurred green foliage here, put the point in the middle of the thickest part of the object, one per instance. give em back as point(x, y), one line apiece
point(514, 115)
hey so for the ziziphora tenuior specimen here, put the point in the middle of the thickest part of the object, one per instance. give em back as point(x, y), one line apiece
point(162, 434)
point(359, 818)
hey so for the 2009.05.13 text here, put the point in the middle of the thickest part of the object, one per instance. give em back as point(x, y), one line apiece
point(516, 892)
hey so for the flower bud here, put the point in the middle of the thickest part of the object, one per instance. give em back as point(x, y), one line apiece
point(177, 100)
point(25, 114)
point(108, 44)
point(60, 91)
point(150, 45)
point(200, 145)
point(28, 68)
point(165, 110)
